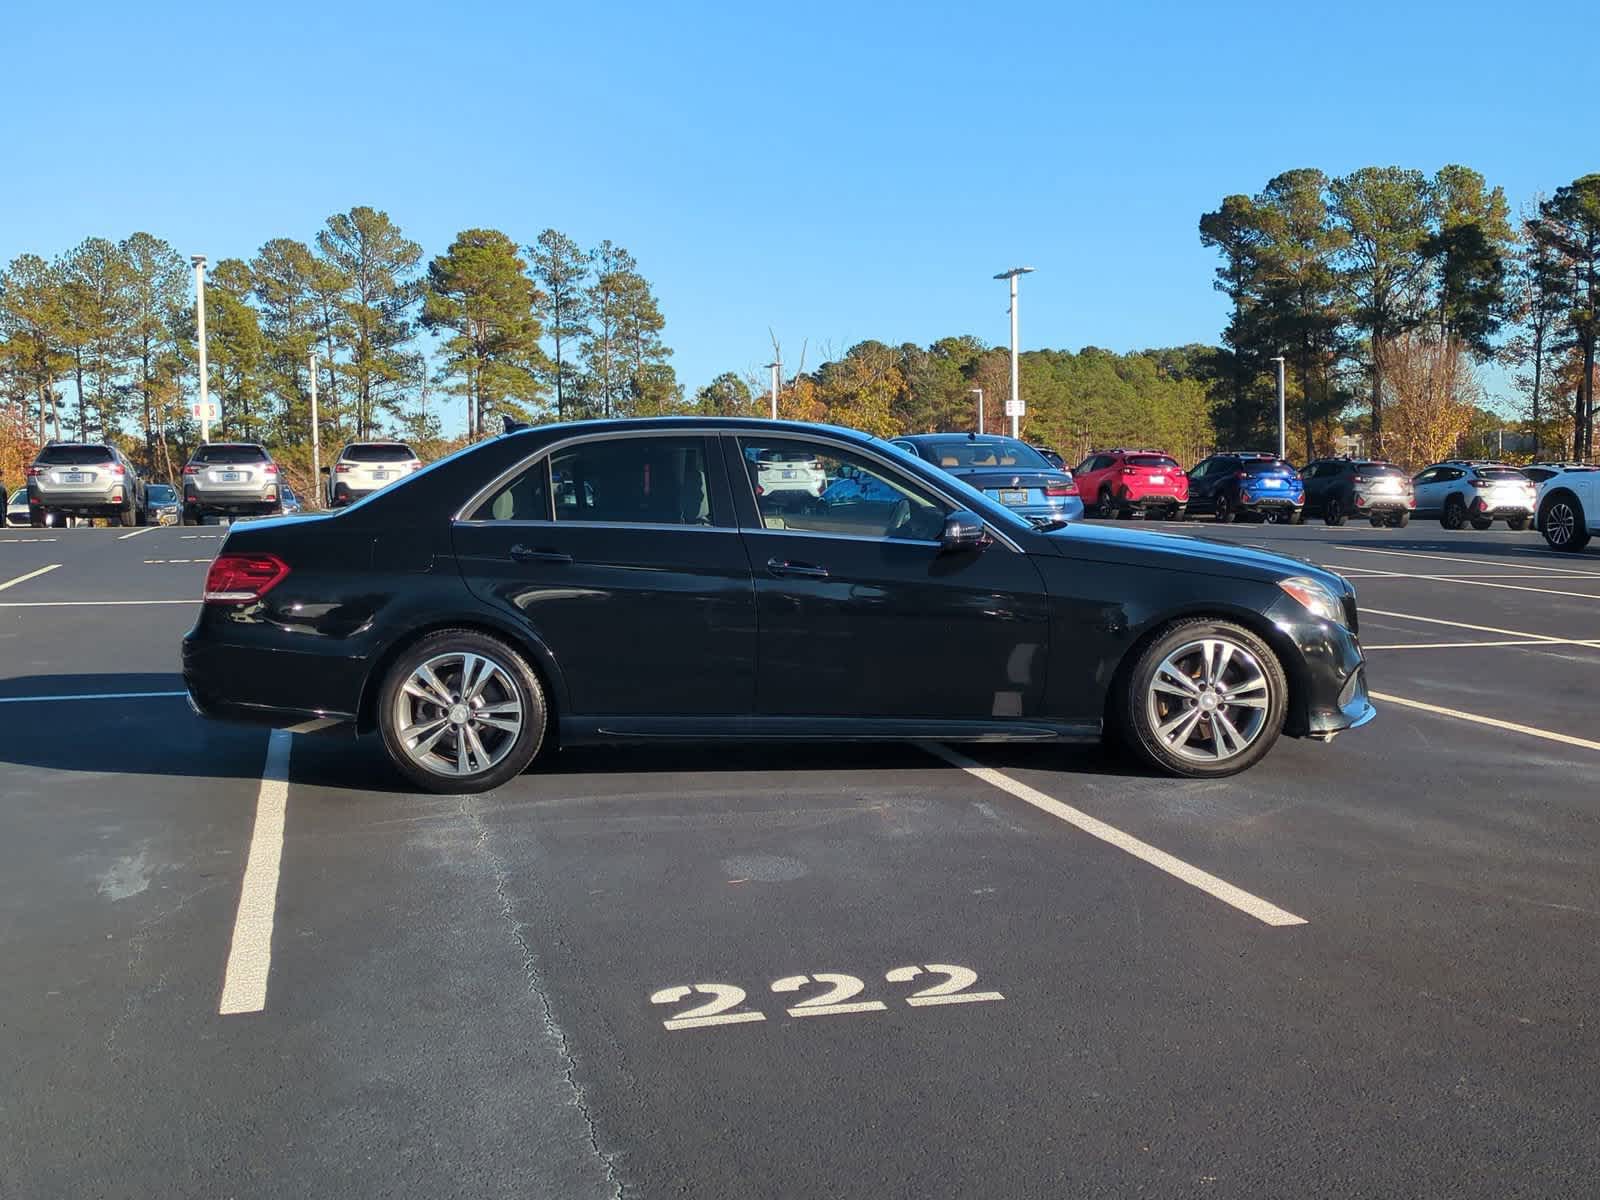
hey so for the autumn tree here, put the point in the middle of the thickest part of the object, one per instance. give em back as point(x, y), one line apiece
point(479, 295)
point(1432, 396)
point(727, 396)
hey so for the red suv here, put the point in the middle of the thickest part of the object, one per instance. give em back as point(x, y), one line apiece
point(1118, 482)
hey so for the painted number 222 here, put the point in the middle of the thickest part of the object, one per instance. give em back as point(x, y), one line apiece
point(837, 997)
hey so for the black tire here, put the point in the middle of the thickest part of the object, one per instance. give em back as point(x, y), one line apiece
point(1104, 506)
point(528, 740)
point(1124, 512)
point(1518, 524)
point(1482, 523)
point(1133, 701)
point(188, 517)
point(1224, 512)
point(1400, 520)
point(1333, 512)
point(126, 517)
point(1563, 523)
point(38, 518)
point(1455, 513)
point(1177, 513)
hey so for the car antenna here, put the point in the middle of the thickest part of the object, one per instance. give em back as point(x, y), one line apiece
point(512, 425)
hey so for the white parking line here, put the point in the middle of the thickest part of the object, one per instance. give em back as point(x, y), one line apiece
point(84, 603)
point(1514, 633)
point(88, 696)
point(1591, 643)
point(244, 985)
point(11, 583)
point(122, 537)
point(1477, 562)
point(23, 541)
point(1548, 735)
point(1222, 890)
point(1509, 587)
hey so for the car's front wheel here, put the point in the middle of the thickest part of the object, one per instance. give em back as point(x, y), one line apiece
point(1204, 699)
point(461, 712)
point(1333, 512)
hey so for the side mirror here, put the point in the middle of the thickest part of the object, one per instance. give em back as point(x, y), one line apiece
point(963, 531)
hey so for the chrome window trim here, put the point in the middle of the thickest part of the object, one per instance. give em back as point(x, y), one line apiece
point(521, 523)
point(879, 539)
point(888, 464)
point(544, 452)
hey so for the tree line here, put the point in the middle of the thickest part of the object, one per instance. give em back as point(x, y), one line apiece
point(1386, 290)
point(100, 343)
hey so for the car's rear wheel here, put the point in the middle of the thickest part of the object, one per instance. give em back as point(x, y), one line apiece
point(1333, 512)
point(1205, 699)
point(190, 517)
point(38, 518)
point(1563, 524)
point(1518, 524)
point(126, 516)
point(1400, 520)
point(1225, 513)
point(461, 712)
point(1455, 513)
point(1104, 506)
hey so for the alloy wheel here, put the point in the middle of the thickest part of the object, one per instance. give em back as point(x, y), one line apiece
point(458, 713)
point(1208, 700)
point(1559, 523)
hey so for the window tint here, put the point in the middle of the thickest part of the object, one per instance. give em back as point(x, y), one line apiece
point(1152, 460)
point(985, 452)
point(1378, 471)
point(1262, 466)
point(229, 454)
point(377, 453)
point(851, 495)
point(75, 456)
point(1499, 473)
point(633, 481)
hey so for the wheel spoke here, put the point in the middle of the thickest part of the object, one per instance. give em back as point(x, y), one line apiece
point(1168, 674)
point(426, 744)
point(1223, 657)
point(440, 693)
point(1223, 731)
point(463, 763)
point(412, 732)
point(1245, 702)
point(471, 737)
point(1177, 731)
point(499, 708)
point(1208, 652)
point(508, 726)
point(1256, 683)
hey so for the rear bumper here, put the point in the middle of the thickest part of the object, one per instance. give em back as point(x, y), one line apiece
point(255, 679)
point(244, 504)
point(1151, 497)
point(1070, 509)
point(97, 503)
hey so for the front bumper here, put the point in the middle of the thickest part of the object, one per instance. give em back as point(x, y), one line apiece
point(1327, 670)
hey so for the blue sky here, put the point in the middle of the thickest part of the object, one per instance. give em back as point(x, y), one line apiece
point(831, 171)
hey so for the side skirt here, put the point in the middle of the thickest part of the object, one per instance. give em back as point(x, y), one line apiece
point(577, 730)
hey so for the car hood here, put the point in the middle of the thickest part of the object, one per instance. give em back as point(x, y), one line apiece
point(1185, 552)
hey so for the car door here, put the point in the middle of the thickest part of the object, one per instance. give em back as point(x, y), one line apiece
point(1203, 485)
point(861, 614)
point(620, 554)
point(1430, 488)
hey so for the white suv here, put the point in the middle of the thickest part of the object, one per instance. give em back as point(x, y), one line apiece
point(364, 467)
point(1569, 507)
point(1462, 490)
point(785, 472)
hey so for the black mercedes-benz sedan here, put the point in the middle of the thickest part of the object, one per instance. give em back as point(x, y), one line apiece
point(660, 579)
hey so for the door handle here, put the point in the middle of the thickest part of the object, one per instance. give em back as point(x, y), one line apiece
point(781, 567)
point(526, 554)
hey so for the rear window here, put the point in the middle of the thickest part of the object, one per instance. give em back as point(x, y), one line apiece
point(964, 452)
point(781, 456)
point(74, 456)
point(1152, 460)
point(378, 452)
point(1377, 471)
point(229, 454)
point(1263, 466)
point(1501, 473)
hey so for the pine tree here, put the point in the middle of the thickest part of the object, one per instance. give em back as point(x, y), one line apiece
point(561, 270)
point(1569, 224)
point(33, 322)
point(478, 291)
point(158, 297)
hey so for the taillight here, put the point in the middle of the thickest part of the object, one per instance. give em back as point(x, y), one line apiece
point(1131, 471)
point(340, 468)
point(243, 578)
point(415, 464)
point(116, 468)
point(1070, 488)
point(1477, 483)
point(35, 472)
point(270, 469)
point(191, 469)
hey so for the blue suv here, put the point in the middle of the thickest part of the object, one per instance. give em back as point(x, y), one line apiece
point(1233, 485)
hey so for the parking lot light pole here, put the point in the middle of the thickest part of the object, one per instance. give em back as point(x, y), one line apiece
point(777, 369)
point(1015, 394)
point(979, 393)
point(1283, 429)
point(199, 261)
point(316, 438)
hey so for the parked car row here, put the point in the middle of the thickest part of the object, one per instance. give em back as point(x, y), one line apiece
point(74, 481)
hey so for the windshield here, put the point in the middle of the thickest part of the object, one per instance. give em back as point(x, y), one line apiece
point(374, 452)
point(160, 493)
point(1265, 466)
point(985, 452)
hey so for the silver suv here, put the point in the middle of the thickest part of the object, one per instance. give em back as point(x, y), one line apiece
point(1464, 490)
point(84, 479)
point(364, 467)
point(233, 479)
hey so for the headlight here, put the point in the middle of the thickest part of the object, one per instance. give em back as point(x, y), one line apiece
point(1316, 598)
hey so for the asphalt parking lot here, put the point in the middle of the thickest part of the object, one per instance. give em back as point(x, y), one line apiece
point(1362, 969)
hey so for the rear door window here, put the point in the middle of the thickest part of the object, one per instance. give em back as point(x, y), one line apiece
point(525, 498)
point(634, 481)
point(858, 497)
point(377, 454)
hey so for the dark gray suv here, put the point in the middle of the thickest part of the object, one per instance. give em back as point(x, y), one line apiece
point(84, 479)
